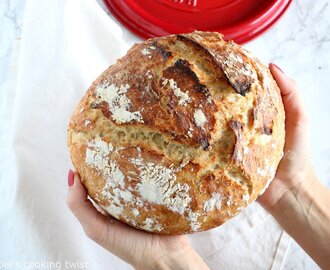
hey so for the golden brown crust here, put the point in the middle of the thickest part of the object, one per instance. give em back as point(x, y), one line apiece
point(175, 137)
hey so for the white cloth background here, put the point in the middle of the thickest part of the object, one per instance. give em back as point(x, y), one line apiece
point(65, 46)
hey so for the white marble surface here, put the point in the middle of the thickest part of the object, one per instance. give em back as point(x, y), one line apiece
point(299, 44)
point(11, 19)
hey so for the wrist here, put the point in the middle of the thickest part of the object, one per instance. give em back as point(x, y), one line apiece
point(303, 212)
point(287, 190)
point(295, 195)
point(185, 259)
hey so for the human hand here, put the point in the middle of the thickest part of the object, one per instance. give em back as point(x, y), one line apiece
point(294, 172)
point(140, 249)
point(295, 198)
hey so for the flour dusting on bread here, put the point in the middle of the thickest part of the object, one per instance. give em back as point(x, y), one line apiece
point(158, 185)
point(199, 118)
point(118, 102)
point(182, 96)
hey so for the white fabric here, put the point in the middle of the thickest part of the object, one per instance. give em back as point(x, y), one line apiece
point(65, 46)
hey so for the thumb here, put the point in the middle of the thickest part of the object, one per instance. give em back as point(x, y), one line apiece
point(93, 222)
point(293, 105)
point(116, 237)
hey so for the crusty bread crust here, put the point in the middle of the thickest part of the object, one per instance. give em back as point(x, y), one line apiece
point(180, 134)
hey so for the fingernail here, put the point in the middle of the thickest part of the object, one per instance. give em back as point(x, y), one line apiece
point(276, 66)
point(70, 178)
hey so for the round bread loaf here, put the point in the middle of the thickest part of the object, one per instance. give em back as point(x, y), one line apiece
point(180, 134)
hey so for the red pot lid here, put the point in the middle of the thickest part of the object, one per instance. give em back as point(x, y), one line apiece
point(239, 20)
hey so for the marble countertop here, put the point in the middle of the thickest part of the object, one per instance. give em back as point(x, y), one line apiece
point(299, 43)
point(11, 19)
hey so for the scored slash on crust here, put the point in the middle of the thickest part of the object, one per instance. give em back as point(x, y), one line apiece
point(238, 73)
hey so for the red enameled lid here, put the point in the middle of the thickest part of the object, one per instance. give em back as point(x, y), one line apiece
point(240, 20)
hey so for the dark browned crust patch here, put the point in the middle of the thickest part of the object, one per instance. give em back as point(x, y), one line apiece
point(237, 127)
point(185, 68)
point(242, 85)
point(264, 116)
point(160, 50)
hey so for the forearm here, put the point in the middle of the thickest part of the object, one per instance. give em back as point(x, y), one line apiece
point(304, 213)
